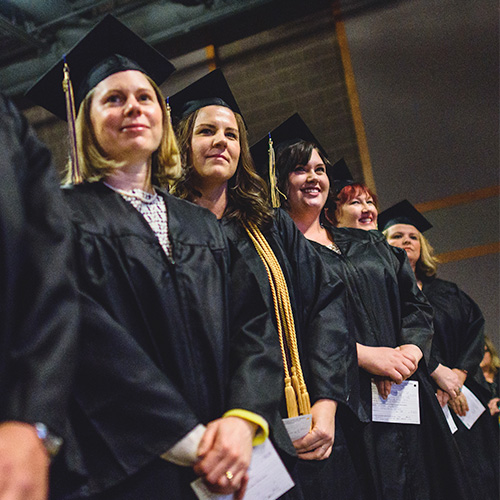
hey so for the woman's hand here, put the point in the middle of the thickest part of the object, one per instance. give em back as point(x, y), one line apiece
point(443, 397)
point(493, 406)
point(383, 386)
point(447, 380)
point(461, 374)
point(396, 364)
point(224, 455)
point(317, 444)
point(459, 405)
point(24, 463)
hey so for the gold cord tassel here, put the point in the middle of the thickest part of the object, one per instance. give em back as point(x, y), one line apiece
point(173, 156)
point(76, 176)
point(275, 199)
point(291, 399)
point(295, 387)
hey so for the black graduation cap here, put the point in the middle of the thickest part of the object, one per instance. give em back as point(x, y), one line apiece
point(340, 175)
point(291, 131)
point(211, 89)
point(108, 48)
point(403, 213)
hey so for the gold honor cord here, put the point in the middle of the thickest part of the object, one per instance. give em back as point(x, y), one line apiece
point(295, 386)
point(76, 176)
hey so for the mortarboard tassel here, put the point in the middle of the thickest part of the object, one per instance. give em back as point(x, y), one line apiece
point(275, 199)
point(76, 176)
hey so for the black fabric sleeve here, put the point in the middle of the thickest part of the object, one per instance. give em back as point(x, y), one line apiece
point(256, 370)
point(129, 400)
point(39, 310)
point(416, 312)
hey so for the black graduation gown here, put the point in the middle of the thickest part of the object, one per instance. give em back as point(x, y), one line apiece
point(167, 344)
point(322, 322)
point(459, 343)
point(393, 461)
point(38, 306)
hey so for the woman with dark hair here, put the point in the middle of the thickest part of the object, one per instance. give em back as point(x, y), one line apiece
point(457, 346)
point(219, 175)
point(393, 325)
point(167, 388)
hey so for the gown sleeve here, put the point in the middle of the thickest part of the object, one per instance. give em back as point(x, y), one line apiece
point(256, 374)
point(416, 312)
point(473, 339)
point(124, 393)
point(38, 306)
point(459, 326)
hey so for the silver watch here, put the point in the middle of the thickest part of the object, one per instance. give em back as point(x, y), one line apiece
point(51, 442)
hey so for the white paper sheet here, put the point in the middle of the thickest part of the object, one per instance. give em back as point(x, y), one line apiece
point(449, 419)
point(268, 477)
point(298, 427)
point(400, 407)
point(475, 408)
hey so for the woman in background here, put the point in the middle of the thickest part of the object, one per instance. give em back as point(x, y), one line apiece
point(490, 366)
point(457, 346)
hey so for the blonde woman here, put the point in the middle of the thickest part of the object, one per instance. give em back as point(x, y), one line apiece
point(166, 388)
point(457, 346)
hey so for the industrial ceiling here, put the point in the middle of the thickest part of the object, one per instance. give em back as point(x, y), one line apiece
point(34, 34)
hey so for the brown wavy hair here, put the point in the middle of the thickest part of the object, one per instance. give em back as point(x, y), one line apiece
point(95, 165)
point(248, 194)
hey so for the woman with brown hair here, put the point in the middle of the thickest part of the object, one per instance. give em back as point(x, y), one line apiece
point(393, 321)
point(219, 175)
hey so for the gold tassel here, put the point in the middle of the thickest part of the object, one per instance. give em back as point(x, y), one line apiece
point(291, 399)
point(76, 176)
point(304, 398)
point(173, 152)
point(275, 199)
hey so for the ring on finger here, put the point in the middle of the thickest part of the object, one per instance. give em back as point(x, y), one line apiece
point(229, 475)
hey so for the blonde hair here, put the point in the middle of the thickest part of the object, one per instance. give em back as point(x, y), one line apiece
point(427, 262)
point(95, 165)
point(248, 192)
point(495, 360)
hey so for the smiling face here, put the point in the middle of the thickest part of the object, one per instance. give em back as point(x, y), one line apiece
point(407, 237)
point(359, 212)
point(308, 186)
point(215, 146)
point(126, 116)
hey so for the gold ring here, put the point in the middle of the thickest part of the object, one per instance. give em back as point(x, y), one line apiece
point(229, 475)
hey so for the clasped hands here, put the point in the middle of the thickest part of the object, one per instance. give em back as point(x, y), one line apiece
point(224, 454)
point(317, 444)
point(389, 365)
